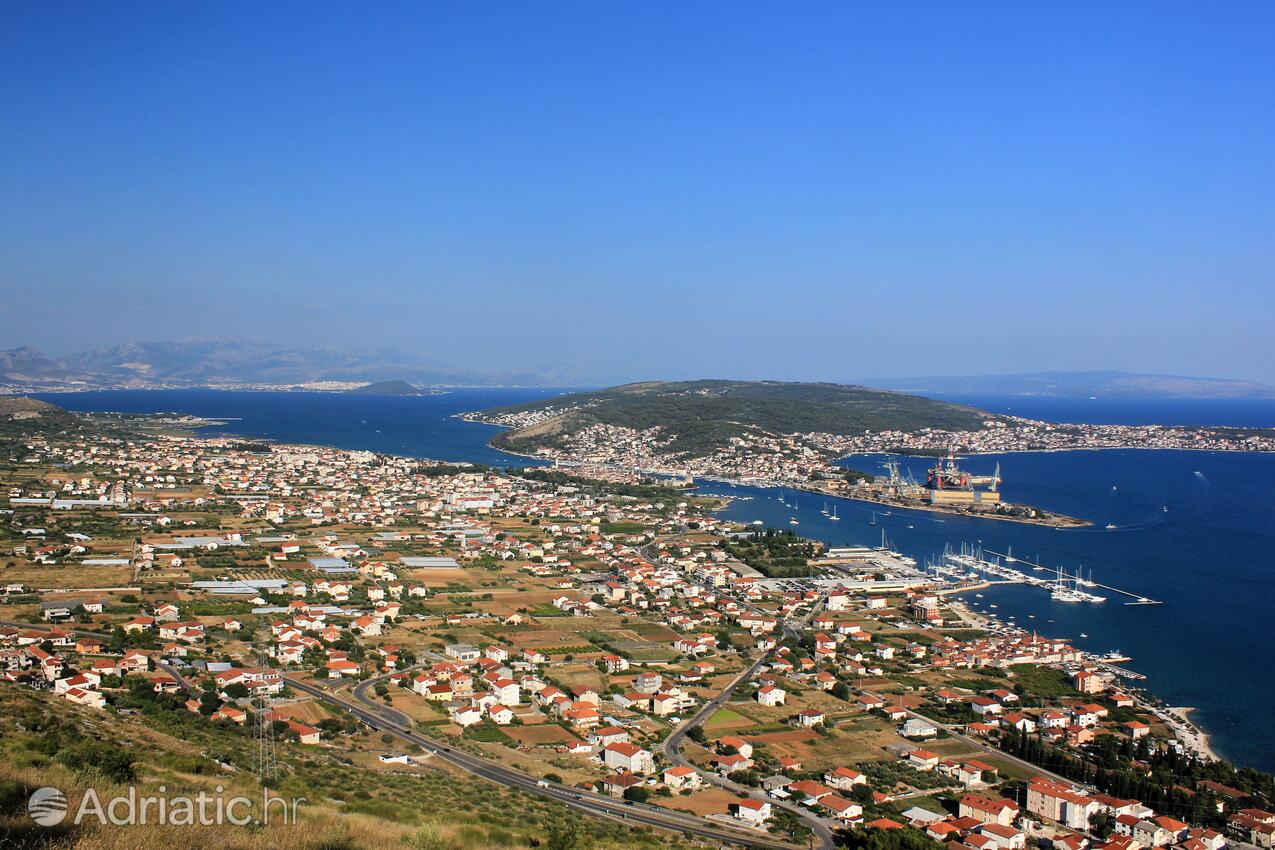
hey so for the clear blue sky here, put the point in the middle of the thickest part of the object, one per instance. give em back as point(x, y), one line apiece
point(807, 191)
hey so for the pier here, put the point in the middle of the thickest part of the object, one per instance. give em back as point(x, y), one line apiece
point(1060, 575)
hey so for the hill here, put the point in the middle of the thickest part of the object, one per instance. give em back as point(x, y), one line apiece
point(1083, 385)
point(162, 749)
point(22, 407)
point(22, 415)
point(386, 388)
point(701, 416)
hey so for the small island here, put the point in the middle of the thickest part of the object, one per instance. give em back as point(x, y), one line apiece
point(387, 388)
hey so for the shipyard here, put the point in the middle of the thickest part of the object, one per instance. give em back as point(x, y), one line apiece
point(947, 489)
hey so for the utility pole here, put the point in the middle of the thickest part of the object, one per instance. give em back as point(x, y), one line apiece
point(264, 730)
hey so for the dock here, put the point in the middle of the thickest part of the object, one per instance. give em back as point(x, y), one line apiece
point(1137, 599)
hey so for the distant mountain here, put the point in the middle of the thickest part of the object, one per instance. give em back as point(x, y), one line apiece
point(217, 362)
point(702, 416)
point(1082, 385)
point(386, 388)
point(29, 364)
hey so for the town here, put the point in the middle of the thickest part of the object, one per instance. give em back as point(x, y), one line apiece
point(806, 459)
point(607, 644)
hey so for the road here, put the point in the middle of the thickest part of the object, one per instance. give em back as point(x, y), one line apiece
point(379, 717)
point(671, 747)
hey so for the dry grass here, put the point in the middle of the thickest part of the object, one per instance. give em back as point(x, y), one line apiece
point(70, 576)
point(348, 807)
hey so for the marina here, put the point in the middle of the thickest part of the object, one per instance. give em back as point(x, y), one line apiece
point(973, 564)
point(1061, 576)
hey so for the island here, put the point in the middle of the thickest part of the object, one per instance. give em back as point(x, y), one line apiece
point(386, 388)
point(793, 435)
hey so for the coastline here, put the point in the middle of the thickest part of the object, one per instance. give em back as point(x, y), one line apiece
point(1204, 738)
point(1191, 736)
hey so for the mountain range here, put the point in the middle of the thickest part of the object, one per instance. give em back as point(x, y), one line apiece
point(1081, 385)
point(246, 363)
point(216, 362)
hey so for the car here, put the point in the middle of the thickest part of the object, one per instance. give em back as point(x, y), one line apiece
point(542, 784)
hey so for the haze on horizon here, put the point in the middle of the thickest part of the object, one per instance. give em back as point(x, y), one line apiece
point(636, 190)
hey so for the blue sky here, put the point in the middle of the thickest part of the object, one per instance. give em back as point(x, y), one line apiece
point(645, 190)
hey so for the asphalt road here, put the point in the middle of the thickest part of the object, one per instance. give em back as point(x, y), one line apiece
point(598, 805)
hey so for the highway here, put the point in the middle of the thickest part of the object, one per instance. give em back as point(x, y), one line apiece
point(378, 717)
point(598, 805)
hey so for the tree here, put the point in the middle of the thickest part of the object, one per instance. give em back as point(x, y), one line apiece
point(1102, 824)
point(637, 794)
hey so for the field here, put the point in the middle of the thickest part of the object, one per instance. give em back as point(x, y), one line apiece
point(705, 802)
point(546, 734)
point(71, 576)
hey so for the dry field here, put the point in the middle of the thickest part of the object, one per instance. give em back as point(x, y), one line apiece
point(74, 576)
point(706, 802)
point(547, 734)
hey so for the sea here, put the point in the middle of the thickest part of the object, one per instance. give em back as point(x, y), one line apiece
point(1192, 529)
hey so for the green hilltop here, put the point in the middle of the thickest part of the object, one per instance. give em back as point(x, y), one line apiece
point(386, 388)
point(702, 416)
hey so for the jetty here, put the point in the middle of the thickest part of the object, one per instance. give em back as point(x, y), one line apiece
point(1060, 575)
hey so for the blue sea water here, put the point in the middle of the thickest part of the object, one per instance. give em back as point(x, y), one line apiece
point(419, 426)
point(1210, 557)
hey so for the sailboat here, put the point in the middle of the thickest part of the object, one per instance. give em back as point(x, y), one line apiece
point(1062, 593)
point(873, 521)
point(825, 509)
point(834, 516)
